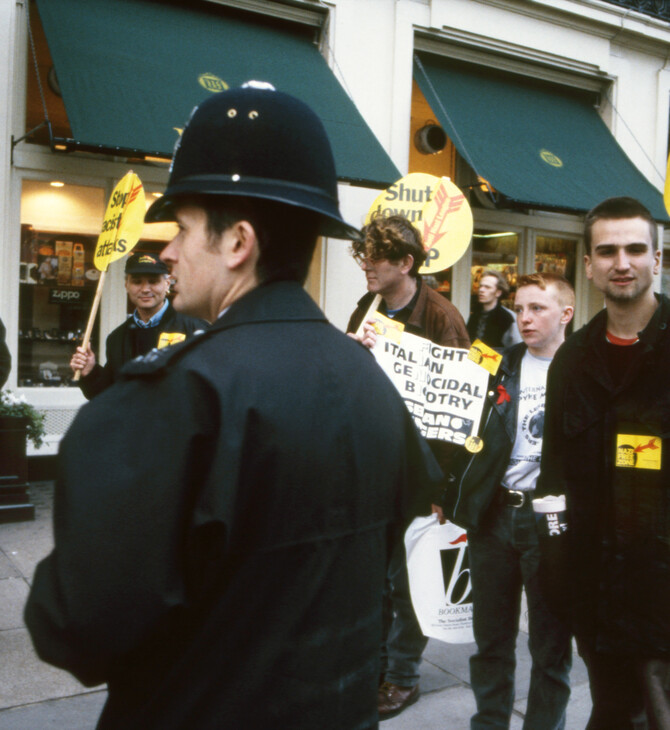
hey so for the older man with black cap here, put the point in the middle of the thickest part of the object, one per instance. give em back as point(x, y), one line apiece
point(154, 323)
point(224, 512)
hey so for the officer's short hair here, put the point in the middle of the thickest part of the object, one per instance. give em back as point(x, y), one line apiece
point(286, 234)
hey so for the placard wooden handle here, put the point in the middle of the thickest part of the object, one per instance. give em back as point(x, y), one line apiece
point(91, 319)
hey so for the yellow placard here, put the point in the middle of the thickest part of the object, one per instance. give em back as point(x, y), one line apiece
point(437, 208)
point(638, 452)
point(446, 227)
point(485, 356)
point(170, 338)
point(406, 197)
point(388, 327)
point(124, 219)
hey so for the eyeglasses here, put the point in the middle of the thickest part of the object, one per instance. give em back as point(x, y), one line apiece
point(363, 260)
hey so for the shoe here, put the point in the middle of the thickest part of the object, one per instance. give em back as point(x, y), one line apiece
point(393, 699)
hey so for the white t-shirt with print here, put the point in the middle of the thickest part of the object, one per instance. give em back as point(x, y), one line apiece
point(524, 463)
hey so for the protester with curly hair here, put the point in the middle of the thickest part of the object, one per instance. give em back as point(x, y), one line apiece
point(391, 254)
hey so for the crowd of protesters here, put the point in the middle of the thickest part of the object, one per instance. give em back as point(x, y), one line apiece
point(233, 555)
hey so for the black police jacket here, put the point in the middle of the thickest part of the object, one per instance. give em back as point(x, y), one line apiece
point(222, 522)
point(119, 348)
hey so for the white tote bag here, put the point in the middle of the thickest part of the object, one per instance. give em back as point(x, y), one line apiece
point(439, 579)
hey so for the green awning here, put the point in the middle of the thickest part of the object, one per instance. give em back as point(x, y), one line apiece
point(131, 71)
point(539, 146)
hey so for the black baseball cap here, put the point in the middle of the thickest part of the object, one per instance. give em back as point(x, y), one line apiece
point(145, 263)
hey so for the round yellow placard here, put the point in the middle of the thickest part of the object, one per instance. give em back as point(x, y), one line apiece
point(405, 197)
point(124, 219)
point(446, 227)
point(437, 208)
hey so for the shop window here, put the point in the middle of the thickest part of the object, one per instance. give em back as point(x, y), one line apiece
point(59, 227)
point(556, 255)
point(441, 282)
point(57, 287)
point(495, 250)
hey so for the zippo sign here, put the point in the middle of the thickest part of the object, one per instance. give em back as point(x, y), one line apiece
point(68, 296)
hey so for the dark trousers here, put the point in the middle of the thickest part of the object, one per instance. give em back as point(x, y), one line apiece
point(403, 641)
point(504, 559)
point(628, 692)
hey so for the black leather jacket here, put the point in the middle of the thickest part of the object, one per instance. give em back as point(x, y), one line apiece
point(472, 484)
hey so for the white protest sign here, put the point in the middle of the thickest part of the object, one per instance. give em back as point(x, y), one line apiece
point(443, 389)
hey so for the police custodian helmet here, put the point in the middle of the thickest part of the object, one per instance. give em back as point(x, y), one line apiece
point(256, 142)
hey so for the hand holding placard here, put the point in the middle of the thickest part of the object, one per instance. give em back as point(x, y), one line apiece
point(121, 230)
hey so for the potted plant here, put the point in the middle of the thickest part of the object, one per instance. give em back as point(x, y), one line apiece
point(16, 406)
point(19, 421)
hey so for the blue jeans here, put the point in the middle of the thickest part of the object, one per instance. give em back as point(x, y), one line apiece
point(504, 557)
point(403, 641)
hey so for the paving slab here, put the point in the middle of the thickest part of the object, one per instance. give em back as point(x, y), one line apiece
point(7, 568)
point(448, 709)
point(13, 595)
point(25, 679)
point(24, 544)
point(70, 713)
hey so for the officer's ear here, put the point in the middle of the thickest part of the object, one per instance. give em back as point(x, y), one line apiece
point(242, 245)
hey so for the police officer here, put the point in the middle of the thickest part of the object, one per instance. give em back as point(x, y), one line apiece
point(224, 511)
point(154, 323)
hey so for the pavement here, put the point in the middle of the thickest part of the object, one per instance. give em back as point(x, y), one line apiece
point(36, 696)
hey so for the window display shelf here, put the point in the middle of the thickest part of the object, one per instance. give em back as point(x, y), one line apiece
point(57, 286)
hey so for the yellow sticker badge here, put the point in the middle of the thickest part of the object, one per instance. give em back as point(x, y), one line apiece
point(124, 219)
point(388, 327)
point(638, 452)
point(170, 338)
point(485, 356)
point(474, 444)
